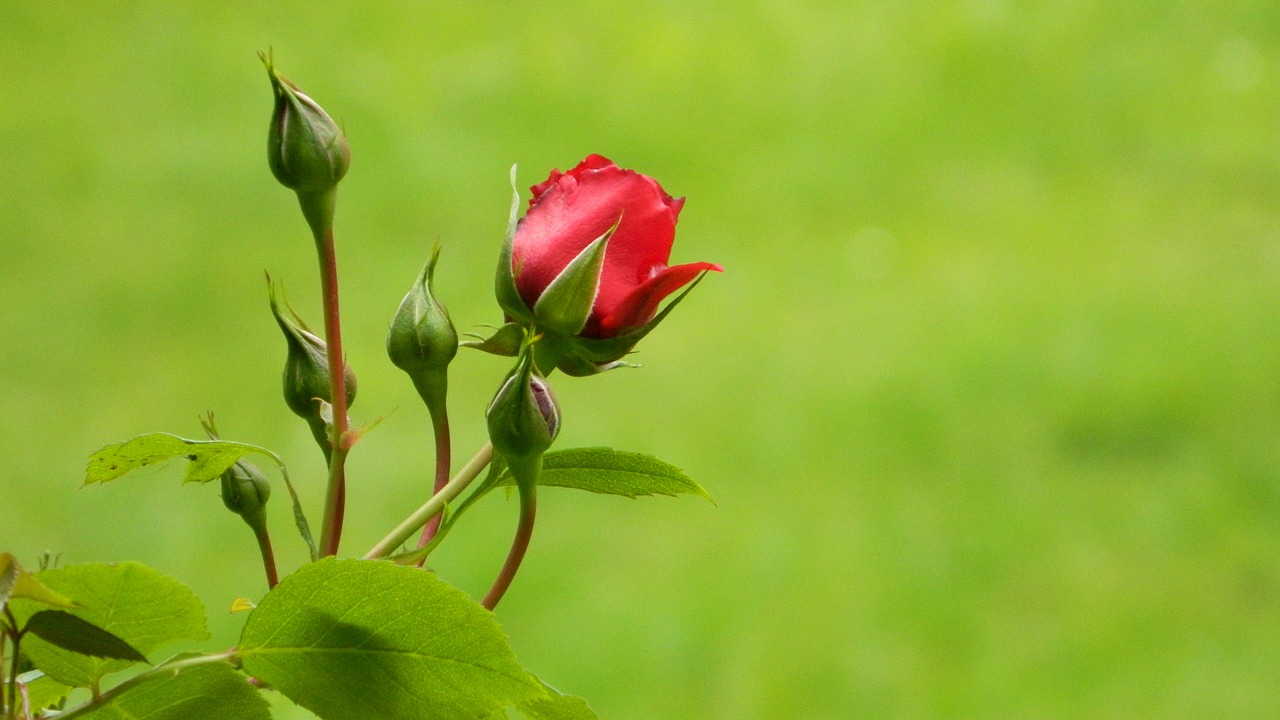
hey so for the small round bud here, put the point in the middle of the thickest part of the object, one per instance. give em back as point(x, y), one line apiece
point(306, 149)
point(523, 417)
point(421, 339)
point(306, 368)
point(245, 491)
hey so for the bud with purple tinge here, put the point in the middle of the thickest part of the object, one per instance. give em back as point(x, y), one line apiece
point(524, 417)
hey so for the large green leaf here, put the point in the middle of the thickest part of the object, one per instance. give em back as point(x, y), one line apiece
point(204, 692)
point(613, 472)
point(208, 459)
point(371, 639)
point(129, 600)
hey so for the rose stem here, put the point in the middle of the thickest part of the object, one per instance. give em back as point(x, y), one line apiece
point(524, 531)
point(440, 424)
point(318, 209)
point(268, 555)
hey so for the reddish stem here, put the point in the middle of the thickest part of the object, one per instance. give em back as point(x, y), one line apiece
point(440, 423)
point(524, 531)
point(268, 557)
point(318, 209)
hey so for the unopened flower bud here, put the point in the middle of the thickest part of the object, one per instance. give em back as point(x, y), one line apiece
point(306, 368)
point(245, 491)
point(306, 149)
point(523, 417)
point(421, 340)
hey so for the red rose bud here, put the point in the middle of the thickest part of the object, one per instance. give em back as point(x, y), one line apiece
point(421, 340)
point(306, 149)
point(593, 246)
point(523, 417)
point(306, 370)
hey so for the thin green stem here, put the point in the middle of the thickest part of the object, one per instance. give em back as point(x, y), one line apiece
point(419, 557)
point(524, 531)
point(434, 506)
point(4, 685)
point(318, 209)
point(165, 669)
point(11, 688)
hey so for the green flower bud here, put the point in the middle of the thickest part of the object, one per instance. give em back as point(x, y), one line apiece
point(245, 492)
point(306, 367)
point(421, 340)
point(306, 149)
point(523, 417)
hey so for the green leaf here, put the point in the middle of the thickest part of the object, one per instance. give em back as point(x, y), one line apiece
point(129, 600)
point(71, 633)
point(26, 586)
point(613, 472)
point(557, 707)
point(204, 692)
point(9, 571)
point(553, 706)
point(208, 458)
point(363, 638)
point(42, 691)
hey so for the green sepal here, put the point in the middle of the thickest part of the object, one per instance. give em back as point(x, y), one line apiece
point(565, 305)
point(505, 286)
point(579, 356)
point(505, 341)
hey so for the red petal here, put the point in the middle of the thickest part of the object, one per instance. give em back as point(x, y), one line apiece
point(591, 162)
point(639, 306)
point(572, 209)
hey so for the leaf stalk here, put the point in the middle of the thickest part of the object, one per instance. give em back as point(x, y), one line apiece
point(434, 505)
point(170, 668)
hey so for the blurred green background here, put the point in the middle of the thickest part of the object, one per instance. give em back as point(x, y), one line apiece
point(988, 394)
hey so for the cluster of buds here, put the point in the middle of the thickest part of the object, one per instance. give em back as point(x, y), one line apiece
point(580, 279)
